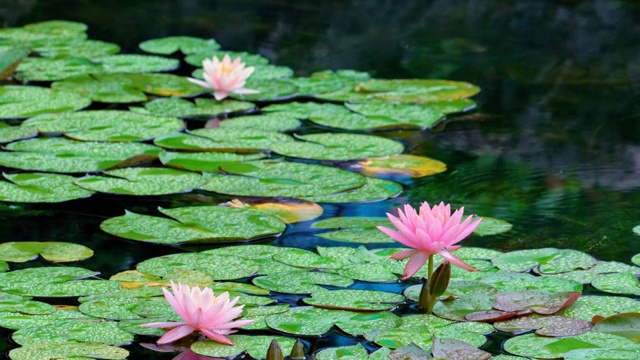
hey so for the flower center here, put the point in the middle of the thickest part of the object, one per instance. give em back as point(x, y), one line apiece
point(226, 69)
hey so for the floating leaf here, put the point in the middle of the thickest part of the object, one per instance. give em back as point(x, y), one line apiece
point(238, 140)
point(142, 181)
point(354, 229)
point(134, 63)
point(403, 164)
point(26, 101)
point(456, 349)
point(249, 59)
point(624, 324)
point(194, 224)
point(417, 90)
point(304, 110)
point(256, 346)
point(114, 308)
point(492, 226)
point(37, 188)
point(343, 352)
point(12, 133)
point(10, 59)
point(458, 308)
point(202, 107)
point(551, 348)
point(52, 29)
point(81, 48)
point(599, 354)
point(288, 211)
point(105, 125)
point(300, 282)
point(617, 283)
point(551, 260)
point(357, 300)
point(51, 251)
point(552, 326)
point(373, 190)
point(64, 289)
point(15, 321)
point(185, 44)
point(219, 267)
point(333, 146)
point(48, 69)
point(73, 331)
point(75, 350)
point(507, 281)
point(204, 161)
point(588, 306)
point(269, 90)
point(539, 302)
point(267, 122)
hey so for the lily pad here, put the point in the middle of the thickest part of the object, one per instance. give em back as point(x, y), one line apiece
point(64, 289)
point(142, 181)
point(300, 282)
point(456, 349)
point(625, 324)
point(551, 348)
point(286, 179)
point(52, 251)
point(334, 146)
point(508, 281)
point(249, 59)
point(492, 226)
point(402, 164)
point(539, 302)
point(343, 352)
point(551, 260)
point(105, 125)
point(373, 190)
point(236, 140)
point(599, 354)
point(67, 331)
point(269, 90)
point(45, 30)
point(267, 122)
point(617, 283)
point(10, 59)
point(49, 69)
point(135, 63)
point(357, 300)
point(588, 306)
point(40, 188)
point(417, 90)
point(185, 44)
point(302, 110)
point(551, 326)
point(354, 229)
point(255, 345)
point(202, 107)
point(288, 211)
point(219, 267)
point(194, 224)
point(26, 101)
point(80, 48)
point(72, 350)
point(15, 321)
point(204, 161)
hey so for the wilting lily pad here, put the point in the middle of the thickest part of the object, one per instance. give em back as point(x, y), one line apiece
point(373, 190)
point(26, 101)
point(51, 251)
point(287, 210)
point(552, 326)
point(540, 302)
point(354, 229)
point(357, 300)
point(267, 122)
point(403, 164)
point(127, 87)
point(256, 346)
point(185, 44)
point(237, 140)
point(540, 347)
point(194, 224)
point(204, 161)
point(202, 107)
point(70, 156)
point(71, 350)
point(456, 349)
point(334, 146)
point(417, 90)
point(105, 125)
point(66, 331)
point(274, 178)
point(142, 181)
point(36, 188)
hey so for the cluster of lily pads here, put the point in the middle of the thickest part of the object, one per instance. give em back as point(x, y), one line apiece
point(298, 143)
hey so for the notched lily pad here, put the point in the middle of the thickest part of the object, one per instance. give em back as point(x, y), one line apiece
point(185, 44)
point(38, 187)
point(356, 300)
point(52, 251)
point(417, 90)
point(372, 190)
point(203, 107)
point(625, 324)
point(27, 101)
point(256, 346)
point(550, 326)
point(540, 302)
point(72, 350)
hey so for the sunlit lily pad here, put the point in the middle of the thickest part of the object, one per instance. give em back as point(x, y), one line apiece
point(417, 90)
point(588, 306)
point(66, 331)
point(142, 181)
point(259, 314)
point(382, 271)
point(15, 320)
point(357, 300)
point(551, 260)
point(343, 352)
point(458, 308)
point(51, 251)
point(403, 164)
point(334, 146)
point(26, 101)
point(127, 88)
point(70, 156)
point(354, 229)
point(267, 122)
point(185, 44)
point(37, 188)
point(300, 282)
point(272, 178)
point(64, 289)
point(617, 283)
point(256, 346)
point(287, 210)
point(540, 347)
point(237, 140)
point(111, 308)
point(219, 267)
point(71, 350)
point(105, 125)
point(456, 289)
point(202, 107)
point(373, 190)
point(194, 224)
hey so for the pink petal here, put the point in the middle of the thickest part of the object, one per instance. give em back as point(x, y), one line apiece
point(200, 82)
point(219, 95)
point(246, 91)
point(169, 324)
point(456, 260)
point(403, 254)
point(396, 236)
point(467, 228)
point(175, 334)
point(416, 261)
point(216, 337)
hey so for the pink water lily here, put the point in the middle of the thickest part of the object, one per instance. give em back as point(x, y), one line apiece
point(429, 232)
point(201, 311)
point(225, 77)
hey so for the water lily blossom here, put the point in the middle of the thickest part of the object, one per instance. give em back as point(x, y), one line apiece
point(429, 232)
point(225, 77)
point(201, 311)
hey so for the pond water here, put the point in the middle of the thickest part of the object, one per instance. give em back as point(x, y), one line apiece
point(553, 146)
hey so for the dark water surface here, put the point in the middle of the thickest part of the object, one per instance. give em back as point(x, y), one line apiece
point(553, 148)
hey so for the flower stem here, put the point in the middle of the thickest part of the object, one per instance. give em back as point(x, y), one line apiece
point(426, 300)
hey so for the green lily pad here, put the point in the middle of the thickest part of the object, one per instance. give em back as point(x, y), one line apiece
point(373, 190)
point(269, 90)
point(402, 164)
point(273, 178)
point(507, 281)
point(45, 29)
point(381, 271)
point(552, 326)
point(304, 110)
point(417, 90)
point(37, 188)
point(26, 101)
point(29, 307)
point(70, 156)
point(300, 282)
point(13, 133)
point(105, 125)
point(67, 331)
point(259, 314)
point(133, 327)
point(261, 72)
point(333, 146)
point(456, 289)
point(204, 161)
point(72, 350)
point(306, 259)
point(354, 352)
point(142, 181)
point(64, 289)
point(540, 347)
point(115, 308)
point(256, 346)
point(237, 140)
point(492, 226)
point(15, 320)
point(636, 259)
point(361, 230)
point(267, 122)
point(134, 63)
point(49, 69)
point(80, 48)
point(551, 260)
point(10, 59)
point(599, 354)
point(636, 230)
point(219, 267)
point(202, 107)
point(194, 224)
point(458, 308)
point(357, 300)
point(311, 86)
point(185, 44)
point(249, 59)
point(617, 283)
point(3, 267)
point(52, 251)
point(625, 324)
point(127, 87)
point(588, 306)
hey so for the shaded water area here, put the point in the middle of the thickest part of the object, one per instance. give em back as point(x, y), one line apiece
point(553, 147)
